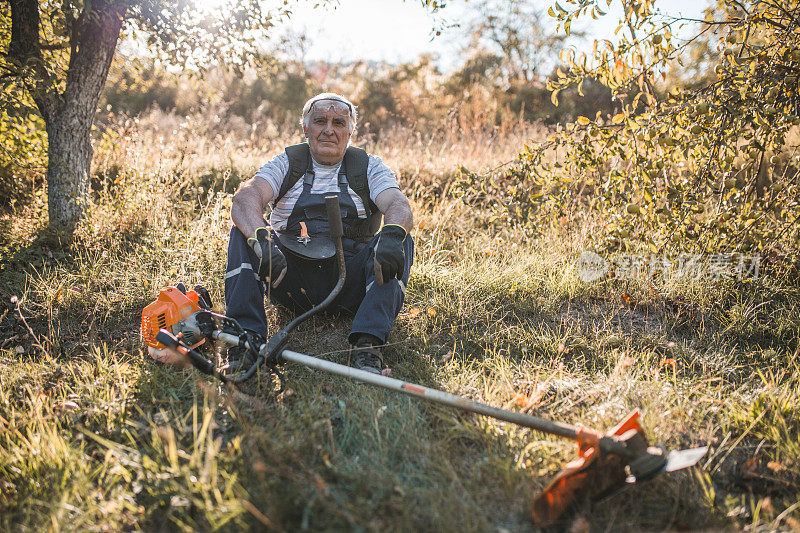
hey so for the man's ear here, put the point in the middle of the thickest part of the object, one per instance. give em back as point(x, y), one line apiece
point(305, 131)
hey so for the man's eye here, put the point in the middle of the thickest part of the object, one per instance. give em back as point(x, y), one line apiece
point(339, 123)
point(319, 120)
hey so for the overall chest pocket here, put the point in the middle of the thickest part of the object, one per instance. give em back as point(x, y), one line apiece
point(318, 212)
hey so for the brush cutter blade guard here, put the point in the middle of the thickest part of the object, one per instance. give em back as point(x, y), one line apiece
point(593, 473)
point(606, 465)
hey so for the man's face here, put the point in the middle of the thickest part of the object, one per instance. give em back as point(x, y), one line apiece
point(328, 131)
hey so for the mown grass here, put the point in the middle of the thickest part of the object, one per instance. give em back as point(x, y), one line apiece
point(96, 436)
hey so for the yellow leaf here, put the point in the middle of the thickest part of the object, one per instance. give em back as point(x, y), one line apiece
point(583, 121)
point(554, 97)
point(521, 400)
point(618, 118)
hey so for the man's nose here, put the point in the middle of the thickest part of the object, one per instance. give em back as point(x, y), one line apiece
point(328, 127)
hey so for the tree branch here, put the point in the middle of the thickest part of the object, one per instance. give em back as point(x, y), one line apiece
point(650, 89)
point(25, 49)
point(94, 39)
point(69, 20)
point(24, 30)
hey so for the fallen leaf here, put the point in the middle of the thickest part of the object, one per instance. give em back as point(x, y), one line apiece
point(285, 395)
point(67, 406)
point(775, 466)
point(623, 364)
point(521, 400)
point(580, 525)
point(413, 312)
point(749, 470)
point(431, 312)
point(766, 505)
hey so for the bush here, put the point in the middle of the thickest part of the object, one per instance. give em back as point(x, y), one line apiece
point(709, 167)
point(23, 149)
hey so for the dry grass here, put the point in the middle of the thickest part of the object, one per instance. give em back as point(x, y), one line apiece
point(95, 436)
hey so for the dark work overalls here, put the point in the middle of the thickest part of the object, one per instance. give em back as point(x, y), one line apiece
point(308, 282)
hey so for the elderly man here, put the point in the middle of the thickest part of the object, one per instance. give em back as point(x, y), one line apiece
point(290, 259)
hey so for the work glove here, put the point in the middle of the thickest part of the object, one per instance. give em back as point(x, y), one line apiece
point(271, 265)
point(389, 255)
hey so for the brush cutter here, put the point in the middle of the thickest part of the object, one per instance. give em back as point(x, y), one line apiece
point(179, 321)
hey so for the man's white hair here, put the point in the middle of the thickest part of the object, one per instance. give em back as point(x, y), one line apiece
point(304, 119)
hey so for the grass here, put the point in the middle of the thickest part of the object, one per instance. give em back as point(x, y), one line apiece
point(96, 436)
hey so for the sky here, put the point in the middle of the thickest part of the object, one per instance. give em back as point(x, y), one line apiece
point(398, 31)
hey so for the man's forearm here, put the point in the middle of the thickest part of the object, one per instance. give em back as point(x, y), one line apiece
point(246, 214)
point(399, 212)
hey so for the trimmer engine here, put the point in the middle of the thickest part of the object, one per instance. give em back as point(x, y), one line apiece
point(174, 310)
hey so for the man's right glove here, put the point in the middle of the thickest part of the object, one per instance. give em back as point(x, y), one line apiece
point(271, 265)
point(389, 255)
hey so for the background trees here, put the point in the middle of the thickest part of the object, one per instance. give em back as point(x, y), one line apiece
point(692, 131)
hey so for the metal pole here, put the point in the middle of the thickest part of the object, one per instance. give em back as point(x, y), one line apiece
point(436, 396)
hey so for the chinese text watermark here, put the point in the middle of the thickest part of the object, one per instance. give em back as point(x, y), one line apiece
point(714, 267)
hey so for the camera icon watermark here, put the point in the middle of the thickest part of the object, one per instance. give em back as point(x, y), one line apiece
point(591, 266)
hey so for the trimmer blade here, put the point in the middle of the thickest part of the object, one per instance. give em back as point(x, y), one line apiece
point(680, 459)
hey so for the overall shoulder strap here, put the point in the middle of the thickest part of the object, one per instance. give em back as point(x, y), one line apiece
point(299, 159)
point(356, 162)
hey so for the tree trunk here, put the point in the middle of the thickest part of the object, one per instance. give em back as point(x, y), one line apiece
point(69, 159)
point(69, 121)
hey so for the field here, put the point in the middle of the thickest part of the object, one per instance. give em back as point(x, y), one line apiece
point(96, 436)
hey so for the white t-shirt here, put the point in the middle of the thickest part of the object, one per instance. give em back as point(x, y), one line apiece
point(379, 177)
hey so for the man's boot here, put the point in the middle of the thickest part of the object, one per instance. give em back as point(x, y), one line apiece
point(365, 354)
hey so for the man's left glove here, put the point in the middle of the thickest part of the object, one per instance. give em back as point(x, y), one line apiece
point(389, 254)
point(271, 265)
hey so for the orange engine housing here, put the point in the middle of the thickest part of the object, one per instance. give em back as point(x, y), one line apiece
point(170, 308)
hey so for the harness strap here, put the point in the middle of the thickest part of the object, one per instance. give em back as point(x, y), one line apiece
point(353, 171)
point(357, 160)
point(354, 166)
point(299, 163)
